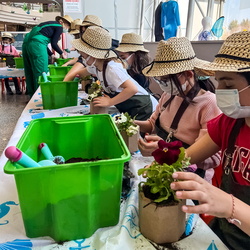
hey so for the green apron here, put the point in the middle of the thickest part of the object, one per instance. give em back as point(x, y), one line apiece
point(35, 56)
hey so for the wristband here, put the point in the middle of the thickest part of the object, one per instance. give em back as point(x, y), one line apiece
point(231, 219)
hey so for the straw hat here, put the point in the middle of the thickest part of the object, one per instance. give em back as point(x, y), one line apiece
point(131, 42)
point(234, 56)
point(66, 18)
point(173, 56)
point(7, 35)
point(73, 26)
point(96, 42)
point(90, 20)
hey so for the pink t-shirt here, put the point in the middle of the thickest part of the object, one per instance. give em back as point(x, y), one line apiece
point(6, 50)
point(193, 123)
point(219, 130)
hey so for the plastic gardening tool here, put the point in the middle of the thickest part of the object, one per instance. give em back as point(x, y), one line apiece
point(55, 64)
point(16, 155)
point(191, 223)
point(49, 156)
point(45, 77)
point(67, 50)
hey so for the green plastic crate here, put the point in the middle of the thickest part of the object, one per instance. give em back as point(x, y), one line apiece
point(19, 62)
point(61, 61)
point(71, 201)
point(58, 94)
point(59, 70)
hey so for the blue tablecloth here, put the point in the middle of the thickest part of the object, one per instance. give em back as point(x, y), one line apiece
point(6, 72)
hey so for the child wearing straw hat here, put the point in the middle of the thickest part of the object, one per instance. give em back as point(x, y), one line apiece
point(89, 20)
point(132, 51)
point(7, 49)
point(230, 133)
point(186, 104)
point(120, 89)
point(76, 33)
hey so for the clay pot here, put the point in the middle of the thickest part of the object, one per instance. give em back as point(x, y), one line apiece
point(162, 224)
point(131, 141)
point(98, 110)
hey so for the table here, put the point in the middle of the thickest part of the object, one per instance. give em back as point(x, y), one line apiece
point(6, 72)
point(124, 236)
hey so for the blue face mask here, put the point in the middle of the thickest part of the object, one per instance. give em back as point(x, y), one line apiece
point(65, 30)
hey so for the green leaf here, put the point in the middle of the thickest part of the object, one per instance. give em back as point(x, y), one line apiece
point(141, 171)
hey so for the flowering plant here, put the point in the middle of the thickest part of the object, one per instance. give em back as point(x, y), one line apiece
point(125, 123)
point(94, 91)
point(169, 158)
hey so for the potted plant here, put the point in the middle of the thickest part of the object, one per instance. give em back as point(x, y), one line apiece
point(128, 130)
point(160, 216)
point(2, 62)
point(86, 80)
point(94, 91)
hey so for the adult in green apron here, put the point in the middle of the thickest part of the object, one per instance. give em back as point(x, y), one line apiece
point(121, 90)
point(34, 50)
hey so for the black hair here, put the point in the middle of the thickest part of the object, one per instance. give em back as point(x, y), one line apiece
point(204, 84)
point(7, 38)
point(246, 75)
point(77, 36)
point(141, 60)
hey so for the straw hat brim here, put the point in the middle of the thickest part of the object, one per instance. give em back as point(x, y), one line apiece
point(64, 19)
point(223, 64)
point(12, 39)
point(73, 32)
point(96, 53)
point(131, 48)
point(162, 69)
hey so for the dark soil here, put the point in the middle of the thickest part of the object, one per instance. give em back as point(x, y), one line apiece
point(79, 159)
point(126, 187)
point(170, 202)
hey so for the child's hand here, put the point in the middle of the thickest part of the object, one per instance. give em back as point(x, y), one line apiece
point(146, 148)
point(102, 101)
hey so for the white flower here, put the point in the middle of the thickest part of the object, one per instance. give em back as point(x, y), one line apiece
point(92, 96)
point(132, 129)
point(120, 118)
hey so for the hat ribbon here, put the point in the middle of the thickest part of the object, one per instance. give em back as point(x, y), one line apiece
point(152, 63)
point(108, 50)
point(233, 57)
point(133, 44)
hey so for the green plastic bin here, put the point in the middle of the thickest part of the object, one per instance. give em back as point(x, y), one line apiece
point(71, 201)
point(59, 70)
point(61, 61)
point(58, 94)
point(19, 62)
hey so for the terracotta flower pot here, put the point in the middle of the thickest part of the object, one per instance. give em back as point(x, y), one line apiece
point(131, 141)
point(98, 110)
point(84, 83)
point(162, 224)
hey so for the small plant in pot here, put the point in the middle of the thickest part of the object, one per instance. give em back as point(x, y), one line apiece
point(86, 80)
point(128, 130)
point(160, 216)
point(95, 91)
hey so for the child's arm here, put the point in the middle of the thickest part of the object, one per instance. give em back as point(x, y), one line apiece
point(129, 89)
point(70, 62)
point(77, 69)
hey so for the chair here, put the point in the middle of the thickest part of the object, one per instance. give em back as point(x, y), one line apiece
point(18, 79)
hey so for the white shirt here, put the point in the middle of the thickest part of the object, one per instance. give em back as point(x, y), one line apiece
point(116, 75)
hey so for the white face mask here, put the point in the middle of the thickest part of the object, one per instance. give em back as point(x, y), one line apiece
point(85, 60)
point(168, 88)
point(126, 61)
point(228, 102)
point(6, 44)
point(92, 66)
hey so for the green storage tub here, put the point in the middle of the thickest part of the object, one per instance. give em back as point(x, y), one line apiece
point(71, 201)
point(59, 70)
point(19, 62)
point(61, 61)
point(58, 94)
